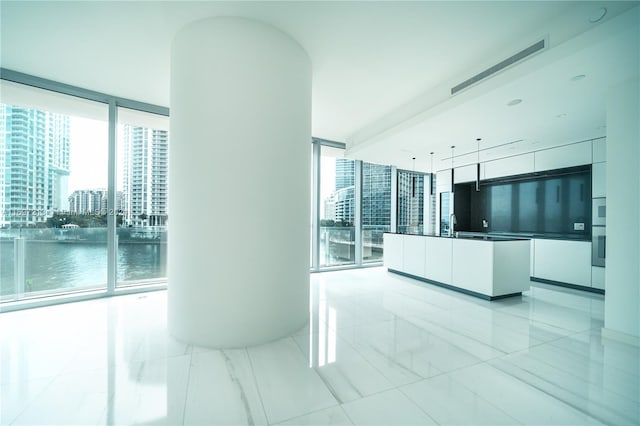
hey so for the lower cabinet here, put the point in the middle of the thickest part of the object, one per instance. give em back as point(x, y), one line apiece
point(597, 277)
point(393, 255)
point(564, 261)
point(438, 263)
point(413, 255)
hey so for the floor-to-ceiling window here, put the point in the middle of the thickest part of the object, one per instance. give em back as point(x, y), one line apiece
point(376, 209)
point(352, 205)
point(337, 208)
point(69, 171)
point(142, 195)
point(53, 187)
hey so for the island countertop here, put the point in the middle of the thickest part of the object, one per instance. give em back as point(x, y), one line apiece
point(469, 236)
point(490, 268)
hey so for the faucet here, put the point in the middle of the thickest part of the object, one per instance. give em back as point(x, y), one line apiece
point(452, 222)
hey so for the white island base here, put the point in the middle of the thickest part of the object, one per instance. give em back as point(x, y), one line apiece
point(487, 268)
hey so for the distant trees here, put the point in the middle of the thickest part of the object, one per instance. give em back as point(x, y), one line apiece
point(340, 223)
point(82, 220)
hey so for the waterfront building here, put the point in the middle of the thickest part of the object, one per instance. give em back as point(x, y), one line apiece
point(34, 164)
point(87, 201)
point(145, 176)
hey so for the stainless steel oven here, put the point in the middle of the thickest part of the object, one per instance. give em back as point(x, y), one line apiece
point(598, 246)
point(599, 212)
point(598, 232)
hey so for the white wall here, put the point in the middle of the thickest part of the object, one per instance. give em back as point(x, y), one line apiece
point(622, 301)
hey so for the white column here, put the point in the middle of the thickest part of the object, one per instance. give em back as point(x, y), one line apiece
point(239, 183)
point(622, 299)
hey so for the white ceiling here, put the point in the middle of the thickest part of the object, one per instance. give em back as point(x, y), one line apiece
point(381, 70)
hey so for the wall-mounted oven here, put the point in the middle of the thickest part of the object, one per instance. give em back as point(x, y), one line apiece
point(598, 232)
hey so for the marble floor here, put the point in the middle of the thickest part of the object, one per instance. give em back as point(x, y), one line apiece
point(380, 349)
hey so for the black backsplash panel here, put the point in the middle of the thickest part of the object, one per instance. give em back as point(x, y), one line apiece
point(545, 204)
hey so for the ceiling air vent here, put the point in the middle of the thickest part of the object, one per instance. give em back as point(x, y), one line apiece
point(499, 66)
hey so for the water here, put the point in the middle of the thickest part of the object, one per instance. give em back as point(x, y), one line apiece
point(54, 265)
point(57, 259)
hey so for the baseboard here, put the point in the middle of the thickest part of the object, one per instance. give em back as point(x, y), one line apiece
point(452, 287)
point(567, 285)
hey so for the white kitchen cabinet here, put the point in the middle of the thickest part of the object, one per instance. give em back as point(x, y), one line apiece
point(491, 268)
point(486, 268)
point(443, 180)
point(393, 247)
point(466, 174)
point(576, 154)
point(438, 259)
point(532, 257)
point(599, 147)
point(564, 261)
point(474, 265)
point(599, 180)
point(597, 277)
point(516, 165)
point(414, 254)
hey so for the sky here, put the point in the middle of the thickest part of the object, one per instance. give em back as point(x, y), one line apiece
point(327, 176)
point(88, 154)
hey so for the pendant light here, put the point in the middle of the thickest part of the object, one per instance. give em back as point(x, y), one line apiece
point(432, 180)
point(478, 167)
point(452, 172)
point(413, 179)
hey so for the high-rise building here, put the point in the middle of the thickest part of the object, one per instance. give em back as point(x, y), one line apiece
point(340, 205)
point(58, 133)
point(145, 180)
point(87, 201)
point(345, 173)
point(34, 170)
point(410, 202)
point(376, 194)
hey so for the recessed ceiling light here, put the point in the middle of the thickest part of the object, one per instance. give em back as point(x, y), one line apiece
point(563, 115)
point(578, 77)
point(597, 15)
point(514, 102)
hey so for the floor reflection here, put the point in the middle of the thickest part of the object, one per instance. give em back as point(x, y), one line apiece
point(378, 348)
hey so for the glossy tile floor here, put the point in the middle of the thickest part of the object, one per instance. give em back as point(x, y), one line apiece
point(380, 349)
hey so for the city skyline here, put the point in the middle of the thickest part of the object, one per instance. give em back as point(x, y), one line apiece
point(53, 163)
point(376, 194)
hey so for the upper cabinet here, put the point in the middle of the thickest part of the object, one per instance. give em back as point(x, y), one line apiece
point(599, 180)
point(572, 155)
point(577, 154)
point(466, 173)
point(600, 150)
point(443, 180)
point(516, 165)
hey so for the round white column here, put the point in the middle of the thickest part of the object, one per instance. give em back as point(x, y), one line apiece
point(239, 170)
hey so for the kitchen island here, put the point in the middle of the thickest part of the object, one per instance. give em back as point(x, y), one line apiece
point(482, 266)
